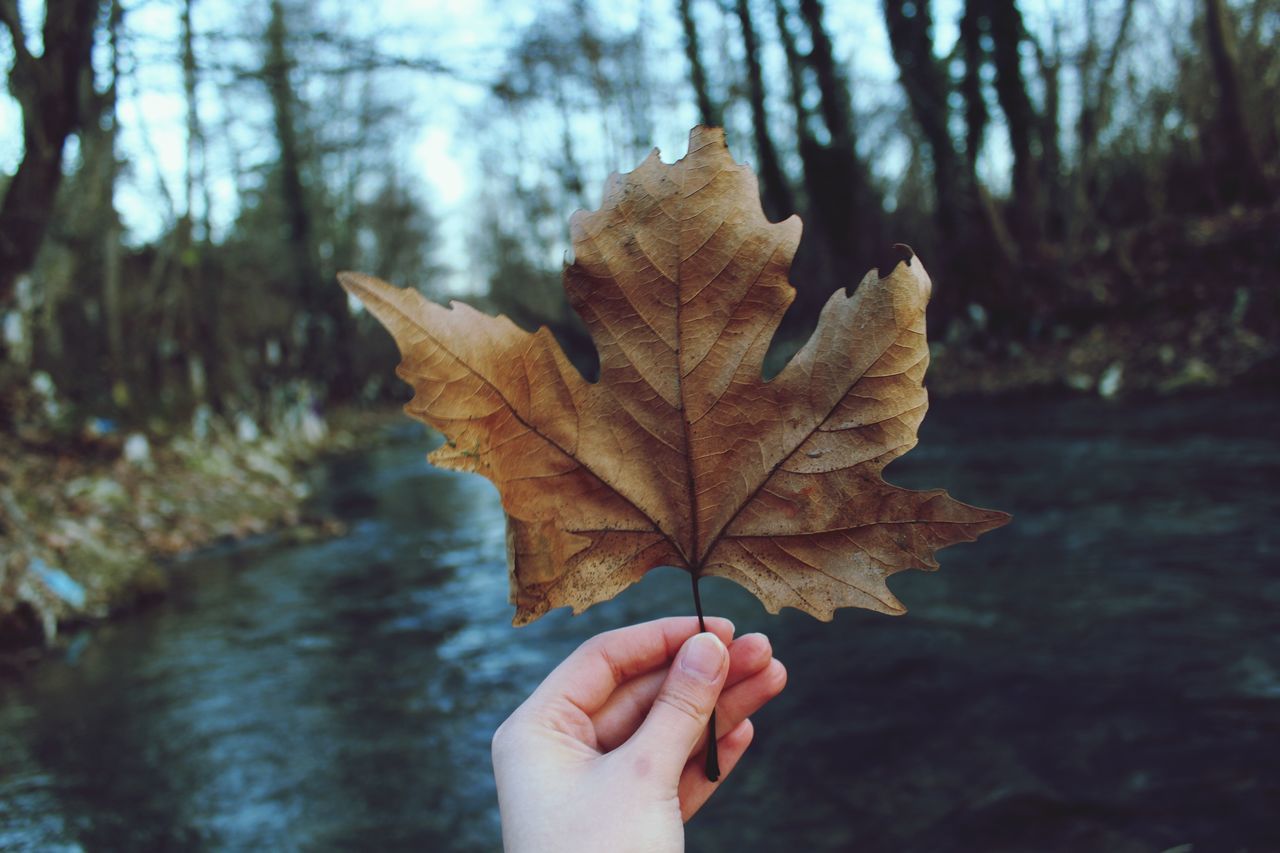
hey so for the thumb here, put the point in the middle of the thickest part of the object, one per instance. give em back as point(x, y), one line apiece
point(684, 704)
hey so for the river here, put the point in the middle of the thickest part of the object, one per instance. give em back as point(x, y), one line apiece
point(1102, 674)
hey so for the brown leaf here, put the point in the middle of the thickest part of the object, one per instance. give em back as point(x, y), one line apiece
point(681, 454)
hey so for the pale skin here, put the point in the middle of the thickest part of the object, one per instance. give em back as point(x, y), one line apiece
point(608, 753)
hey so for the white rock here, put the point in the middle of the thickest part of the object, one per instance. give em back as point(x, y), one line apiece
point(1079, 381)
point(59, 583)
point(137, 450)
point(14, 333)
point(1111, 379)
point(314, 429)
point(247, 428)
point(42, 383)
point(201, 422)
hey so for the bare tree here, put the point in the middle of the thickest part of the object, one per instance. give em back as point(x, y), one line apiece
point(978, 253)
point(925, 83)
point(1052, 177)
point(207, 373)
point(777, 197)
point(47, 88)
point(976, 114)
point(844, 196)
point(805, 141)
point(1097, 72)
point(326, 322)
point(1240, 167)
point(708, 110)
point(1020, 116)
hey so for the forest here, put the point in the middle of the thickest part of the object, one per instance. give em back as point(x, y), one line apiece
point(1092, 185)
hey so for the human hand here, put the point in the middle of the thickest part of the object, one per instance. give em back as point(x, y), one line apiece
point(606, 755)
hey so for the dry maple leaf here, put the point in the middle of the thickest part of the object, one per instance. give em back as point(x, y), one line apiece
point(681, 454)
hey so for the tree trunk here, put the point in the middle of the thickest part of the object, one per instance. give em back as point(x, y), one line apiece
point(1097, 85)
point(976, 114)
point(979, 261)
point(1020, 117)
point(1241, 175)
point(776, 191)
point(297, 216)
point(926, 85)
point(47, 89)
point(795, 79)
point(112, 274)
point(206, 380)
point(1051, 173)
point(708, 111)
point(842, 193)
point(326, 321)
point(835, 108)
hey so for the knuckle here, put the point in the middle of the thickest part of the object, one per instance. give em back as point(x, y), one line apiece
point(685, 701)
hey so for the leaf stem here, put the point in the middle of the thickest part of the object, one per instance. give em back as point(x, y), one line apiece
point(713, 758)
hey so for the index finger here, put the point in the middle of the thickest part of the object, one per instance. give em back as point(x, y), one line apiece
point(605, 662)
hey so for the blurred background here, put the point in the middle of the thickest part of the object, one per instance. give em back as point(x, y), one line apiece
point(194, 417)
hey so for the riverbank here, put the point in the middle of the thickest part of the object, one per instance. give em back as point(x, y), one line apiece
point(1211, 352)
point(86, 529)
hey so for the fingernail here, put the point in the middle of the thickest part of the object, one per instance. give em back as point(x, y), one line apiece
point(703, 656)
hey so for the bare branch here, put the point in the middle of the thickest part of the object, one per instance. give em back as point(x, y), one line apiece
point(1113, 59)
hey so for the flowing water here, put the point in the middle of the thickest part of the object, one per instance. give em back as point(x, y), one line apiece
point(1103, 674)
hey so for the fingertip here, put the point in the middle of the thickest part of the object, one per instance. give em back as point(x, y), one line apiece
point(705, 656)
point(758, 644)
point(748, 655)
point(740, 736)
point(720, 626)
point(775, 676)
point(755, 638)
